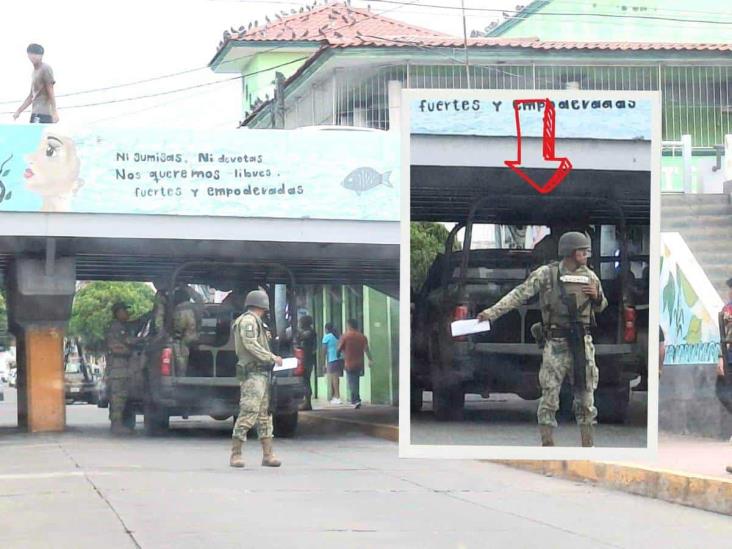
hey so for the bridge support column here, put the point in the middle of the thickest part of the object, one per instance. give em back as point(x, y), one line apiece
point(40, 295)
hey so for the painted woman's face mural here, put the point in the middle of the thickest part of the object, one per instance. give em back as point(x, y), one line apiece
point(53, 169)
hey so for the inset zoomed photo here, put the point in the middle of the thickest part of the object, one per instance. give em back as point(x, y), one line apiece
point(533, 274)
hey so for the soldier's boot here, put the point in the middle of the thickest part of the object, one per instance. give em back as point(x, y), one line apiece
point(547, 435)
point(268, 457)
point(586, 436)
point(306, 405)
point(236, 460)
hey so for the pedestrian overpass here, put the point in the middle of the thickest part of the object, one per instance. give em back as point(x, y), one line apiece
point(326, 214)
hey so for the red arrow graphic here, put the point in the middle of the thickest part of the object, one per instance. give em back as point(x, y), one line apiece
point(565, 166)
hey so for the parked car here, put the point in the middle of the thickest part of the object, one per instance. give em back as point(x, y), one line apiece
point(80, 384)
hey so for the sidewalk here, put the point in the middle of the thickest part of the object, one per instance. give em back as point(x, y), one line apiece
point(371, 419)
point(688, 470)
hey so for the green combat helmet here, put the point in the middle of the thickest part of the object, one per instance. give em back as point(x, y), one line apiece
point(257, 298)
point(569, 242)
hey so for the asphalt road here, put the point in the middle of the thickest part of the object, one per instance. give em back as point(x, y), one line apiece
point(507, 420)
point(84, 489)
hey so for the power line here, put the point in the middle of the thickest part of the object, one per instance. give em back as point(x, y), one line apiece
point(169, 92)
point(188, 71)
point(562, 14)
point(152, 79)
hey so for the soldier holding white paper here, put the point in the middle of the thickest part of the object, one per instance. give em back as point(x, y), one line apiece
point(569, 294)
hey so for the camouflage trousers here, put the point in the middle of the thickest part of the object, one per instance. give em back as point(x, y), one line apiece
point(254, 407)
point(557, 363)
point(182, 353)
point(117, 398)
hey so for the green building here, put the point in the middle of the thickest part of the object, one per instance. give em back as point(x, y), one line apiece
point(345, 66)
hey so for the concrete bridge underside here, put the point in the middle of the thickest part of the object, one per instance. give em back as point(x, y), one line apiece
point(43, 255)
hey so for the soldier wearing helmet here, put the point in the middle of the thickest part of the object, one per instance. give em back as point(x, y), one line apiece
point(569, 294)
point(120, 341)
point(253, 370)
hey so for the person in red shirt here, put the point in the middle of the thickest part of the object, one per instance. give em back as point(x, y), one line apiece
point(353, 345)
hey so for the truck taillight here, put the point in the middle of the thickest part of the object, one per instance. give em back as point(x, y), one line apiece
point(460, 313)
point(166, 361)
point(629, 331)
point(300, 356)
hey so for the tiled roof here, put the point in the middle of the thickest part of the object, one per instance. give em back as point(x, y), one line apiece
point(528, 43)
point(342, 26)
point(334, 23)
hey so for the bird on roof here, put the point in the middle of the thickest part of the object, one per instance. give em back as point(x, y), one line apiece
point(294, 35)
point(256, 23)
point(506, 15)
point(338, 34)
point(302, 10)
point(227, 35)
point(278, 16)
point(519, 7)
point(242, 28)
point(266, 18)
point(307, 31)
point(250, 26)
point(345, 19)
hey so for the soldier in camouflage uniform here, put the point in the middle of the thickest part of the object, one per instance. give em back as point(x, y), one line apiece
point(724, 384)
point(185, 330)
point(251, 340)
point(583, 286)
point(119, 342)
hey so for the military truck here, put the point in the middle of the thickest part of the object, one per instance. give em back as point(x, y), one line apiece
point(464, 279)
point(210, 386)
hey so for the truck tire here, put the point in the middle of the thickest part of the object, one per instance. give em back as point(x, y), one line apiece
point(285, 425)
point(416, 400)
point(448, 403)
point(157, 420)
point(612, 403)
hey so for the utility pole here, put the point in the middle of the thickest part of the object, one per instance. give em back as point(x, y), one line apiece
point(465, 42)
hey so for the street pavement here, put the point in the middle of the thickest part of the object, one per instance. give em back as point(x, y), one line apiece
point(84, 488)
point(508, 420)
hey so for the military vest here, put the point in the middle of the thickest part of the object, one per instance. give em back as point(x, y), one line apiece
point(554, 312)
point(246, 358)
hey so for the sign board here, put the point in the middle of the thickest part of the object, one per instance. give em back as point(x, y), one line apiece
point(612, 118)
point(293, 174)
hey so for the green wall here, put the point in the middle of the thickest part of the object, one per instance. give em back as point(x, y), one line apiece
point(261, 84)
point(579, 25)
point(379, 316)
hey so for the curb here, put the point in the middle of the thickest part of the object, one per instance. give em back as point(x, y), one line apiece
point(333, 424)
point(698, 491)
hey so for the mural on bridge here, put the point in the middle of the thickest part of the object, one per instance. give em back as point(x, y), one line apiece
point(689, 309)
point(579, 115)
point(300, 174)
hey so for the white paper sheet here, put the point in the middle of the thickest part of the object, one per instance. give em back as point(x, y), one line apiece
point(472, 326)
point(287, 364)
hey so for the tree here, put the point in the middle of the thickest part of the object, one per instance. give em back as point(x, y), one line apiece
point(427, 240)
point(91, 314)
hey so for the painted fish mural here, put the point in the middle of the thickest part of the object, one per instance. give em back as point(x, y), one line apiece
point(364, 179)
